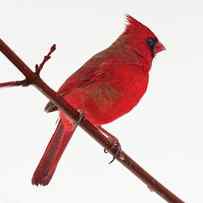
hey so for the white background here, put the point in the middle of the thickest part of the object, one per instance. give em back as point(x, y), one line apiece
point(164, 132)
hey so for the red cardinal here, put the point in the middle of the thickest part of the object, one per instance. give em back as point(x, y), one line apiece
point(106, 87)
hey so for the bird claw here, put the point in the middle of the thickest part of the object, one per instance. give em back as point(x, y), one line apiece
point(115, 148)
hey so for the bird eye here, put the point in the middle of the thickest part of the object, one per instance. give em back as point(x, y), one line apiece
point(152, 42)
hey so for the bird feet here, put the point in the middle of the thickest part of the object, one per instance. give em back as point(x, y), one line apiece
point(115, 146)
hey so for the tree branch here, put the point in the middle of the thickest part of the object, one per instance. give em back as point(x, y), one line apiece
point(34, 79)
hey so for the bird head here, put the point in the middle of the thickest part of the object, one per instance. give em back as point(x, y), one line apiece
point(142, 39)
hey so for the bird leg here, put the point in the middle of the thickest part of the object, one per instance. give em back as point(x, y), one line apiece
point(115, 145)
point(80, 118)
point(38, 69)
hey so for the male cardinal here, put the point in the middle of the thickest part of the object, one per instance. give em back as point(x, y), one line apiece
point(106, 87)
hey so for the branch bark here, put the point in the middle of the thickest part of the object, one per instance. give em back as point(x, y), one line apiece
point(34, 79)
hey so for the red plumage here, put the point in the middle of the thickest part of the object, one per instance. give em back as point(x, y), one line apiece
point(106, 87)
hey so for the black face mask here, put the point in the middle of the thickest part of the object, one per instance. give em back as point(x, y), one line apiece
point(151, 42)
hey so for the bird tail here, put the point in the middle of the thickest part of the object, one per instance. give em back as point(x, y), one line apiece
point(53, 153)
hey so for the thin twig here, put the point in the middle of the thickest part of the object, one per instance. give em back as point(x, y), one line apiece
point(13, 83)
point(123, 158)
point(38, 68)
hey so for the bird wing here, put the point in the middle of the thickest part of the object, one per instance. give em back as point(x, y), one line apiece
point(95, 69)
point(98, 68)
